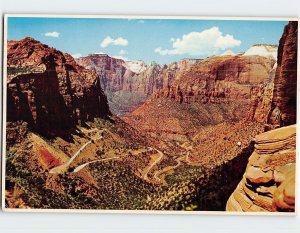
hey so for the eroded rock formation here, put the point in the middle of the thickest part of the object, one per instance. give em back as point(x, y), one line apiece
point(129, 83)
point(211, 91)
point(48, 89)
point(269, 181)
point(283, 110)
point(220, 79)
point(274, 102)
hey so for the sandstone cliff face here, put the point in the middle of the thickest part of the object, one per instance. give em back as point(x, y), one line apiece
point(48, 89)
point(211, 91)
point(261, 99)
point(283, 110)
point(128, 83)
point(110, 70)
point(269, 181)
point(274, 102)
point(220, 79)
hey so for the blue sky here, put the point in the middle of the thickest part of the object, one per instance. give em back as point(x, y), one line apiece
point(160, 40)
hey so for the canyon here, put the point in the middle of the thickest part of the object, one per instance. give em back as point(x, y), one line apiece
point(129, 83)
point(98, 132)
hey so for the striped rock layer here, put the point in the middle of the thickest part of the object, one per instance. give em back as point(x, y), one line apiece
point(269, 181)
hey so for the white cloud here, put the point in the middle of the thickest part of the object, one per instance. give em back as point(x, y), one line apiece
point(77, 55)
point(225, 42)
point(205, 43)
point(52, 34)
point(122, 52)
point(110, 41)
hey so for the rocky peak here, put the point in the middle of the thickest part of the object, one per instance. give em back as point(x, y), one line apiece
point(283, 109)
point(136, 66)
point(48, 89)
point(228, 53)
point(274, 102)
point(265, 50)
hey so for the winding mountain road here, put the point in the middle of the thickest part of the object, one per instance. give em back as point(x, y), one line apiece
point(80, 167)
point(166, 169)
point(161, 155)
point(64, 166)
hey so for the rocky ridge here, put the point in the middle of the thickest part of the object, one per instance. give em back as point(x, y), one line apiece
point(211, 91)
point(219, 79)
point(265, 50)
point(129, 83)
point(274, 102)
point(49, 90)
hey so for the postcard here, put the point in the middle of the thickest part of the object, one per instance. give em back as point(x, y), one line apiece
point(149, 114)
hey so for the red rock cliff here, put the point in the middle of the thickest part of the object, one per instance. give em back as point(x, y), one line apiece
point(48, 89)
point(268, 183)
point(274, 102)
point(283, 109)
point(220, 79)
point(128, 83)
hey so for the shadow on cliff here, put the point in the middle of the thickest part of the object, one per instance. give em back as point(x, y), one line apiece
point(37, 101)
point(215, 188)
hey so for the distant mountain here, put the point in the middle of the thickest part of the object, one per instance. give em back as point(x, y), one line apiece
point(264, 50)
point(211, 91)
point(129, 83)
point(228, 53)
point(135, 66)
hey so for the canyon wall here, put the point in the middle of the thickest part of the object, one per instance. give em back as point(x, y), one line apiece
point(274, 102)
point(269, 180)
point(49, 90)
point(283, 109)
point(220, 79)
point(210, 92)
point(128, 84)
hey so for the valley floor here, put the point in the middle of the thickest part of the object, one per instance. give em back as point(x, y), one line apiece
point(110, 165)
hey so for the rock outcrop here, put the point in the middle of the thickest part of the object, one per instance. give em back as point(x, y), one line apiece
point(261, 99)
point(211, 91)
point(110, 70)
point(220, 79)
point(264, 50)
point(48, 89)
point(283, 109)
point(129, 83)
point(269, 181)
point(274, 102)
